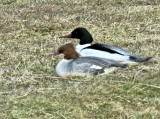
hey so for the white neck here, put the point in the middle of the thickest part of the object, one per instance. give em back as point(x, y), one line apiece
point(80, 47)
point(63, 69)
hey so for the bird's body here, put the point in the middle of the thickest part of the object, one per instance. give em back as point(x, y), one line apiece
point(85, 48)
point(73, 65)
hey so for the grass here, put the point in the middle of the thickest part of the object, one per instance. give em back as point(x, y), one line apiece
point(30, 30)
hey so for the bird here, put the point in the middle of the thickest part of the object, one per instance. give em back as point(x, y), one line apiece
point(75, 65)
point(86, 48)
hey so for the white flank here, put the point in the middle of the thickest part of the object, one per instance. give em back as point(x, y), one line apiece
point(103, 54)
point(95, 67)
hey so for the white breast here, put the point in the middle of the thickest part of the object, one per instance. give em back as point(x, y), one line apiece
point(80, 47)
point(63, 69)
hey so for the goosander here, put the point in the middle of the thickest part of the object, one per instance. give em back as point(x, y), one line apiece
point(85, 48)
point(74, 65)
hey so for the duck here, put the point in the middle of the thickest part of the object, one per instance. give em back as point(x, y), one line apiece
point(107, 51)
point(74, 65)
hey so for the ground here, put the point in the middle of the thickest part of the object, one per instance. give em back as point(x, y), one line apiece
point(29, 32)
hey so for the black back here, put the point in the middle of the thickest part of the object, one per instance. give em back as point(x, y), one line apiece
point(101, 47)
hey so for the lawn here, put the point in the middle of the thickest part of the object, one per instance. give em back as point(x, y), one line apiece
point(29, 32)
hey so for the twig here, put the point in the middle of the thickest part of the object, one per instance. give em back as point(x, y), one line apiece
point(153, 86)
point(63, 116)
point(40, 89)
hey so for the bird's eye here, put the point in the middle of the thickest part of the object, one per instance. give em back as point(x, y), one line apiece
point(60, 51)
point(76, 32)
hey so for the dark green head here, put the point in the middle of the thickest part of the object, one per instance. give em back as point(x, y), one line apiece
point(82, 34)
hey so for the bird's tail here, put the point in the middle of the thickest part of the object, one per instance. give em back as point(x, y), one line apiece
point(119, 65)
point(139, 58)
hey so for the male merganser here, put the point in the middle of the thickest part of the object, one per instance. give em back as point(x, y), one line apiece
point(74, 65)
point(85, 48)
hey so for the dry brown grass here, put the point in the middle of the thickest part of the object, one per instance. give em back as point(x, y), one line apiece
point(28, 85)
